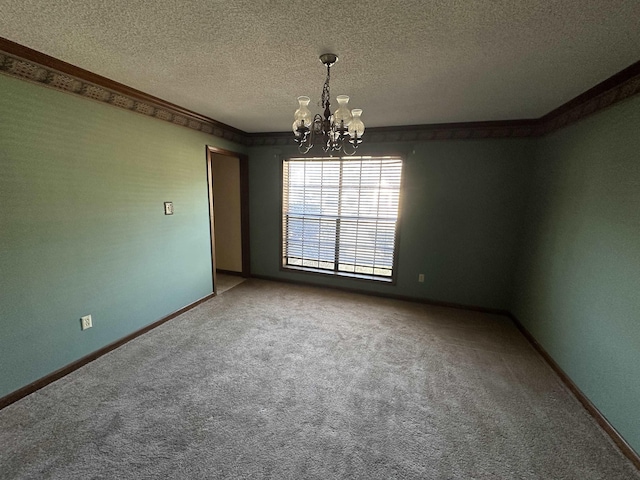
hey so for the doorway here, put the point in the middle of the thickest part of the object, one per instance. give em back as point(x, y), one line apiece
point(228, 185)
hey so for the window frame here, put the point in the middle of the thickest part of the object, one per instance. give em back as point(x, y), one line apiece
point(378, 279)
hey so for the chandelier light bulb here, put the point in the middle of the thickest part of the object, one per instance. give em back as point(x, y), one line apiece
point(342, 116)
point(302, 116)
point(356, 127)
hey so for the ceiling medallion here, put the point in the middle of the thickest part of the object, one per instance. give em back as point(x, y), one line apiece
point(336, 130)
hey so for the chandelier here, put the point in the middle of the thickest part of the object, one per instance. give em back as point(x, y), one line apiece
point(336, 130)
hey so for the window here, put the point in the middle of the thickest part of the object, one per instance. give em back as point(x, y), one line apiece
point(340, 215)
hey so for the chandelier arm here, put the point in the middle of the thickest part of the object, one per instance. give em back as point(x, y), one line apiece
point(337, 141)
point(344, 149)
point(307, 141)
point(304, 148)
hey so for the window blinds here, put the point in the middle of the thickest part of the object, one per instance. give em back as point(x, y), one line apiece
point(340, 214)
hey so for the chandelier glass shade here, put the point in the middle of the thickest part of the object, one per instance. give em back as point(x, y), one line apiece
point(341, 130)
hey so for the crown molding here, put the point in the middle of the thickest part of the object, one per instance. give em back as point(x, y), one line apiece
point(22, 62)
point(614, 89)
point(19, 61)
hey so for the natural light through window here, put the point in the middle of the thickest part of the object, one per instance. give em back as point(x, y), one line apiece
point(340, 215)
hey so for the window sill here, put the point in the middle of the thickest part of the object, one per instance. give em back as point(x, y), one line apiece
point(328, 273)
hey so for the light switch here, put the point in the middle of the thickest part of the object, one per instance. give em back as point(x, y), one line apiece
point(168, 208)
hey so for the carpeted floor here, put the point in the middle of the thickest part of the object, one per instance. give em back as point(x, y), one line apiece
point(227, 282)
point(278, 381)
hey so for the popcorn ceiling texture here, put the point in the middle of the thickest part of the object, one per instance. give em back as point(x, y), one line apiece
point(405, 62)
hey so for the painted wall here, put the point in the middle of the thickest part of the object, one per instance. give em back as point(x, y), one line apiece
point(226, 207)
point(579, 276)
point(82, 229)
point(461, 219)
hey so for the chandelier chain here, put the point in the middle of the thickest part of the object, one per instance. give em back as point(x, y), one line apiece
point(325, 89)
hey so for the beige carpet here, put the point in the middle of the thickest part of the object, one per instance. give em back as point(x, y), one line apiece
point(280, 381)
point(227, 282)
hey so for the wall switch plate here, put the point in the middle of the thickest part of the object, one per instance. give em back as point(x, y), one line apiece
point(421, 278)
point(85, 322)
point(168, 208)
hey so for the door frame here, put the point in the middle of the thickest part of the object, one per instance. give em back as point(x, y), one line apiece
point(244, 209)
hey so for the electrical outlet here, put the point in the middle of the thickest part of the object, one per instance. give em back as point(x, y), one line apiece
point(85, 322)
point(421, 278)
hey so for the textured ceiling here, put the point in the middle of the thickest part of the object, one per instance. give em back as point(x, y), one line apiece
point(404, 62)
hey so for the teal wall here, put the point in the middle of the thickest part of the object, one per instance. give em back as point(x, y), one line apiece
point(461, 219)
point(82, 229)
point(579, 275)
